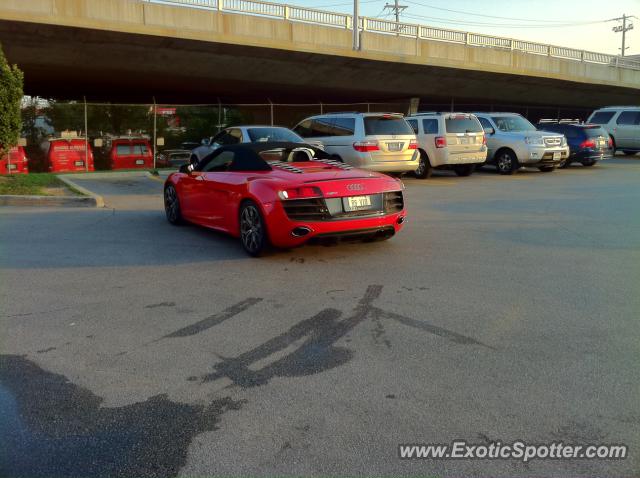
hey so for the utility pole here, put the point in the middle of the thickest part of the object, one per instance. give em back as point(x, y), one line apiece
point(356, 26)
point(624, 28)
point(397, 9)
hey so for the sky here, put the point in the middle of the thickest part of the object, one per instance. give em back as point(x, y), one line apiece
point(558, 22)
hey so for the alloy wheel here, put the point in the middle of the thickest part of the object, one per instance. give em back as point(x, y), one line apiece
point(251, 229)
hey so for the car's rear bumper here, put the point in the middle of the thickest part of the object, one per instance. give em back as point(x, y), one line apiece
point(284, 232)
point(451, 159)
point(590, 155)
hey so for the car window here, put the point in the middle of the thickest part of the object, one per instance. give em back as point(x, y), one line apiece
point(219, 138)
point(321, 127)
point(512, 123)
point(595, 132)
point(304, 129)
point(218, 162)
point(486, 124)
point(235, 136)
point(414, 125)
point(248, 160)
point(603, 117)
point(386, 125)
point(462, 124)
point(261, 135)
point(140, 149)
point(343, 126)
point(629, 118)
point(430, 126)
point(123, 149)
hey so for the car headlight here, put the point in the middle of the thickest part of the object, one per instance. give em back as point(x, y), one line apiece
point(533, 140)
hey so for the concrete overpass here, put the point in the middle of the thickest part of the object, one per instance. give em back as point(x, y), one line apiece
point(134, 49)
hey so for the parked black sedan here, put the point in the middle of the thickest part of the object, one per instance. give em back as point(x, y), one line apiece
point(588, 143)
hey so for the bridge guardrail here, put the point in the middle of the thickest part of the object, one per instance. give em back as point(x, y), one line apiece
point(376, 25)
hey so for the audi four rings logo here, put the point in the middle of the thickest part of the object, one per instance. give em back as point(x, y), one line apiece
point(355, 187)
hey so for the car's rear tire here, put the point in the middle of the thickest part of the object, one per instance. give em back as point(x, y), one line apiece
point(506, 162)
point(172, 206)
point(546, 169)
point(564, 164)
point(589, 163)
point(253, 231)
point(424, 169)
point(464, 170)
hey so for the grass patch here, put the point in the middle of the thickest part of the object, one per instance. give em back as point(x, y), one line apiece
point(33, 184)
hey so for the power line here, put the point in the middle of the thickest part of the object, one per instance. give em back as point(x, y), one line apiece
point(396, 8)
point(476, 14)
point(505, 25)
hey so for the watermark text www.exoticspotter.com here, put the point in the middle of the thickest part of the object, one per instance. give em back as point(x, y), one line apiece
point(518, 450)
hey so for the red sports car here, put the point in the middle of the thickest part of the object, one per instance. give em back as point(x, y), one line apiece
point(284, 194)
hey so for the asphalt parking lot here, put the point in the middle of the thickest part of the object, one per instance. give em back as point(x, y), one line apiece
point(507, 309)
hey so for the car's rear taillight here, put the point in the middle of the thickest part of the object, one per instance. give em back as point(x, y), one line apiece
point(588, 143)
point(441, 142)
point(413, 144)
point(303, 192)
point(366, 146)
point(610, 142)
point(484, 139)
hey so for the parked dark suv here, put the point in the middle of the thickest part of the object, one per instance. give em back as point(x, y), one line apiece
point(588, 143)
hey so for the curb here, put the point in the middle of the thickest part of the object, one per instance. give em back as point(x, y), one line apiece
point(98, 201)
point(155, 177)
point(46, 201)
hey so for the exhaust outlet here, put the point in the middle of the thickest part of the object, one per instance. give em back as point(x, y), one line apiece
point(300, 231)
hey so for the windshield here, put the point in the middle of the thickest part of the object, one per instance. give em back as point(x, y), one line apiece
point(262, 135)
point(386, 125)
point(512, 123)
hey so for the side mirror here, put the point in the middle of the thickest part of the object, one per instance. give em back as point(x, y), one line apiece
point(490, 131)
point(184, 169)
point(193, 161)
point(205, 142)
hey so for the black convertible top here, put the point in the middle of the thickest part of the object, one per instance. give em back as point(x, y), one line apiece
point(247, 155)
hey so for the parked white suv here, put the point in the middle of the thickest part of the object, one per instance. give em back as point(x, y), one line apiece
point(514, 142)
point(376, 141)
point(448, 141)
point(623, 125)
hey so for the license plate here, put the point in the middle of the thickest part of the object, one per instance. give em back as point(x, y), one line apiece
point(395, 146)
point(464, 141)
point(11, 166)
point(79, 163)
point(557, 156)
point(357, 203)
point(601, 144)
point(139, 161)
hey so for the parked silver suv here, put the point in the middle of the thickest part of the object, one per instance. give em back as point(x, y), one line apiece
point(623, 125)
point(376, 141)
point(448, 141)
point(514, 142)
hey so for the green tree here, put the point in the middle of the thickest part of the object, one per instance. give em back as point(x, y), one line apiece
point(11, 91)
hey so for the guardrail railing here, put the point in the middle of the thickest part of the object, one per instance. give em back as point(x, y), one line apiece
point(376, 25)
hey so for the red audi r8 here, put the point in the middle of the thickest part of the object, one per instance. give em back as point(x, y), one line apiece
point(284, 194)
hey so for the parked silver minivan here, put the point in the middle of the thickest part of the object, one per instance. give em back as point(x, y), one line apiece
point(623, 125)
point(448, 141)
point(376, 141)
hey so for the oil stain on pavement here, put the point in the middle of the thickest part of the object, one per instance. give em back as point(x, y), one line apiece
point(51, 427)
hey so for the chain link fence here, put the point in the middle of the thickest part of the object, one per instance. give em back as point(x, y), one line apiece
point(127, 136)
